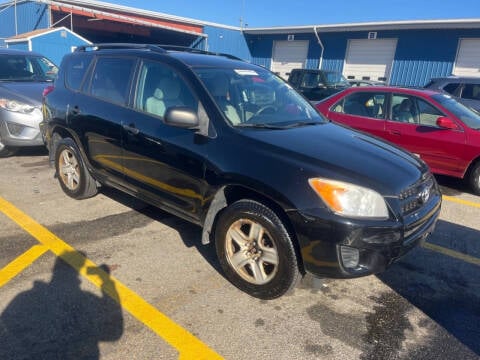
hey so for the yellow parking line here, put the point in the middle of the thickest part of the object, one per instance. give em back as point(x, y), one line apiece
point(20, 263)
point(452, 253)
point(188, 346)
point(460, 201)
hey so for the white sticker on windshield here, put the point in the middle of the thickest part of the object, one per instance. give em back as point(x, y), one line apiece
point(244, 72)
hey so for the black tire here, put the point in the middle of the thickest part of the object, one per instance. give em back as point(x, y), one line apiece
point(6, 151)
point(474, 178)
point(261, 261)
point(73, 176)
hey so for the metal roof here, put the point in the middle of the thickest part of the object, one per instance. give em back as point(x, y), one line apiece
point(371, 26)
point(140, 17)
point(110, 7)
point(36, 33)
point(109, 15)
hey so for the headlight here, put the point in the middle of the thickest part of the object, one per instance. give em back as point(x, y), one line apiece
point(16, 106)
point(350, 200)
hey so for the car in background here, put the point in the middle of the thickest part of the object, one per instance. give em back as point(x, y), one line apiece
point(316, 84)
point(431, 124)
point(23, 77)
point(464, 89)
point(231, 147)
point(354, 82)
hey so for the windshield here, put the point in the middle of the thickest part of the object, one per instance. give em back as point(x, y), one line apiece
point(20, 67)
point(469, 117)
point(257, 98)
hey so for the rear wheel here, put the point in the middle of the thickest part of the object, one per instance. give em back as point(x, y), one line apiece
point(255, 250)
point(474, 178)
point(73, 176)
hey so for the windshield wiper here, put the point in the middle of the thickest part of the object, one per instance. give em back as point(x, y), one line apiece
point(302, 123)
point(280, 127)
point(261, 126)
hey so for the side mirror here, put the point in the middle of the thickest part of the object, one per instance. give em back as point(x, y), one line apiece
point(182, 117)
point(446, 123)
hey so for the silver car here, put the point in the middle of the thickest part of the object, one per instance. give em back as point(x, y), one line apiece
point(23, 77)
point(465, 89)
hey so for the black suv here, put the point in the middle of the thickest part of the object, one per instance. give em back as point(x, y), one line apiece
point(316, 85)
point(465, 89)
point(231, 147)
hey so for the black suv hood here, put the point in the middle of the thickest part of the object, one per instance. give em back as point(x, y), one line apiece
point(27, 92)
point(336, 152)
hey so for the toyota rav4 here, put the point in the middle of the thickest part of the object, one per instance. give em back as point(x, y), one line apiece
point(233, 148)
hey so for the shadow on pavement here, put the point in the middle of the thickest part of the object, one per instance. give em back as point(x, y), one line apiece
point(58, 320)
point(451, 186)
point(190, 234)
point(445, 288)
point(32, 151)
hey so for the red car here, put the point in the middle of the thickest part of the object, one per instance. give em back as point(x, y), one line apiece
point(432, 125)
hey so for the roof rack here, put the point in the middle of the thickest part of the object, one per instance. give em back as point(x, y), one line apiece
point(197, 51)
point(154, 47)
point(120, 46)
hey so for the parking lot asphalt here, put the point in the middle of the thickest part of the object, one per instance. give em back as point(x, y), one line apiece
point(113, 278)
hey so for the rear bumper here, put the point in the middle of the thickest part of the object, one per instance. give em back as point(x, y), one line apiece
point(338, 247)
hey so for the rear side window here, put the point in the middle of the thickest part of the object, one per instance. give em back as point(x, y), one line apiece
point(111, 79)
point(294, 78)
point(452, 88)
point(311, 80)
point(368, 104)
point(75, 71)
point(471, 91)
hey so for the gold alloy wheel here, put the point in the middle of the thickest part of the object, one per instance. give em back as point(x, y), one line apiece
point(251, 251)
point(69, 169)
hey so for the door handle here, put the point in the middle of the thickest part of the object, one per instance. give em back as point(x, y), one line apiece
point(75, 110)
point(131, 129)
point(395, 132)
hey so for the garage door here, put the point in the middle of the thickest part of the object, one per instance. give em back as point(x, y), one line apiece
point(370, 59)
point(288, 55)
point(468, 58)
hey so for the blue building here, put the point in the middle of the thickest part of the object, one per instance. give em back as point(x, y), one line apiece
point(56, 42)
point(100, 22)
point(399, 52)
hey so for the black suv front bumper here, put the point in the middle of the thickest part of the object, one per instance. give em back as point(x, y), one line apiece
point(334, 246)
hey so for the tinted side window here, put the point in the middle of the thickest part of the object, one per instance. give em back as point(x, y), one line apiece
point(452, 88)
point(160, 87)
point(294, 78)
point(311, 80)
point(75, 71)
point(111, 79)
point(471, 91)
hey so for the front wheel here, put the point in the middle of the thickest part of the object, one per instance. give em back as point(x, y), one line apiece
point(255, 250)
point(74, 178)
point(474, 178)
point(6, 151)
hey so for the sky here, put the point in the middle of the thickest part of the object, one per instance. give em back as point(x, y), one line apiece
point(266, 13)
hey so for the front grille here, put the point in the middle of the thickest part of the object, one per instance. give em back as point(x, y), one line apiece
point(415, 196)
